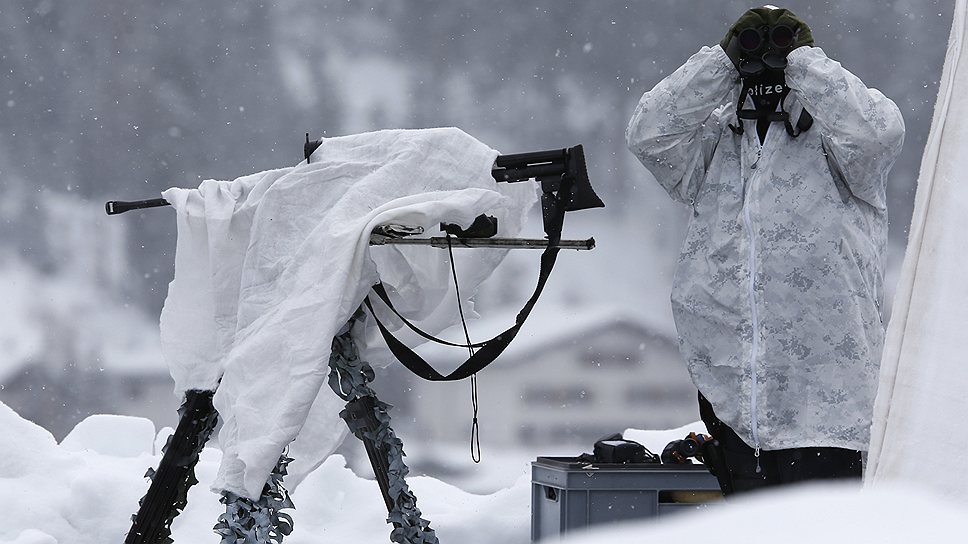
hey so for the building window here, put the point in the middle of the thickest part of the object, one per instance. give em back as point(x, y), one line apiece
point(654, 395)
point(604, 359)
point(556, 396)
point(527, 434)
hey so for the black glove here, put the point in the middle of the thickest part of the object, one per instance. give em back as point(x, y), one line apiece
point(762, 20)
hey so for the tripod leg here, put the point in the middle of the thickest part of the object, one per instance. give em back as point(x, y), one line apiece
point(168, 493)
point(369, 420)
point(258, 521)
point(358, 416)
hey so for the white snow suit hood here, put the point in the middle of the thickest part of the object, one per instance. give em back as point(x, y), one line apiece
point(778, 291)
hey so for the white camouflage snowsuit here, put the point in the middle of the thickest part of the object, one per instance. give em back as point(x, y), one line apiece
point(778, 290)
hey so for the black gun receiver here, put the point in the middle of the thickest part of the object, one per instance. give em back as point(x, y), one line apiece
point(553, 169)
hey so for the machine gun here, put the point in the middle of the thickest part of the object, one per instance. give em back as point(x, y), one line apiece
point(565, 187)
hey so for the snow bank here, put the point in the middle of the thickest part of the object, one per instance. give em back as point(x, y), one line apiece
point(99, 433)
point(85, 490)
point(32, 536)
point(51, 494)
point(802, 515)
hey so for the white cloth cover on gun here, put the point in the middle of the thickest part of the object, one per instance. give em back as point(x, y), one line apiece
point(921, 400)
point(270, 266)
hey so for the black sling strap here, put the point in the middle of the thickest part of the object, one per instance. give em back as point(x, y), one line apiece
point(489, 350)
point(381, 292)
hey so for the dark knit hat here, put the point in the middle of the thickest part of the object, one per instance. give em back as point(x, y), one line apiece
point(770, 16)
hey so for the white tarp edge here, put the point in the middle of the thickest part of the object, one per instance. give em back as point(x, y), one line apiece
point(918, 427)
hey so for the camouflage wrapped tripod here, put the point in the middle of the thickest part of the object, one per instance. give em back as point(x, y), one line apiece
point(369, 420)
point(261, 521)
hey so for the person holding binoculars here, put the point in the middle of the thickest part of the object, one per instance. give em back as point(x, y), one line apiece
point(783, 157)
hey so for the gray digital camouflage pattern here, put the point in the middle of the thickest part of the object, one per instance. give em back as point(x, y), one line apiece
point(778, 290)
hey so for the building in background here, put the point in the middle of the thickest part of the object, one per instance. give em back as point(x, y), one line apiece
point(60, 398)
point(70, 343)
point(570, 379)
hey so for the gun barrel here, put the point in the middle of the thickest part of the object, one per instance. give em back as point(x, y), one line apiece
point(114, 207)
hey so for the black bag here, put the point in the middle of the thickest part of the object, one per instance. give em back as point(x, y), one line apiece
point(614, 449)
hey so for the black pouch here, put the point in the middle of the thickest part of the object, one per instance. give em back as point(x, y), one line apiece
point(614, 449)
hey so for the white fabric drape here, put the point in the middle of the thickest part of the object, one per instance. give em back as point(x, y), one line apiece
point(270, 266)
point(918, 434)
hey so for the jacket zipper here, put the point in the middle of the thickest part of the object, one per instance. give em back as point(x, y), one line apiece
point(754, 318)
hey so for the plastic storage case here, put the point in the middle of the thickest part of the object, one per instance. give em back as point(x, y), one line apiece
point(567, 494)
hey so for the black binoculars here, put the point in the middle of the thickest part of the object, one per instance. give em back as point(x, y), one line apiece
point(753, 39)
point(679, 451)
point(764, 48)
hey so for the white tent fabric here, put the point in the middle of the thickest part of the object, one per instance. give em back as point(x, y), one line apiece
point(922, 402)
point(270, 266)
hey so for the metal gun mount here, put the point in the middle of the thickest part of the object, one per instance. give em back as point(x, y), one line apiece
point(377, 238)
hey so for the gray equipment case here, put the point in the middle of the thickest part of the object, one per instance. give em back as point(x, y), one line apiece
point(567, 494)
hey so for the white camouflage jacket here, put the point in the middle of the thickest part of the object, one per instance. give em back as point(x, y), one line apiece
point(778, 290)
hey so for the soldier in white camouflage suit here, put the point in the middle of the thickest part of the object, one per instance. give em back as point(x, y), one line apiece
point(782, 156)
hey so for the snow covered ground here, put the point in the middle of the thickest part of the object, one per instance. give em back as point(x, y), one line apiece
point(84, 490)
